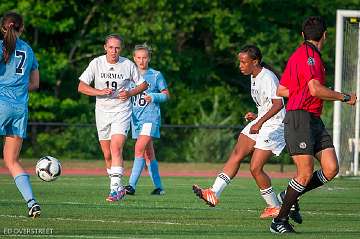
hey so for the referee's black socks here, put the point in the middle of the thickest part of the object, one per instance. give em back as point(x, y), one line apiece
point(318, 179)
point(293, 191)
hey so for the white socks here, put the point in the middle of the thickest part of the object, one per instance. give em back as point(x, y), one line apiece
point(115, 178)
point(270, 197)
point(221, 181)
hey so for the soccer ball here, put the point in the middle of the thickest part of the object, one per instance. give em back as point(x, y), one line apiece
point(48, 168)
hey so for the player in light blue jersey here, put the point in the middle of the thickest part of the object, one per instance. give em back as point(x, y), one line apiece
point(18, 75)
point(146, 121)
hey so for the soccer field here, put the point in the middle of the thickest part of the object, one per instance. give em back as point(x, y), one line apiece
point(75, 207)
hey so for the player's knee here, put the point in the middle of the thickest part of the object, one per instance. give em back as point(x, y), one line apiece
point(139, 151)
point(255, 170)
point(304, 178)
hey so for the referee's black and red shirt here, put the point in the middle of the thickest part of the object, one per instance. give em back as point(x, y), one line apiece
point(304, 64)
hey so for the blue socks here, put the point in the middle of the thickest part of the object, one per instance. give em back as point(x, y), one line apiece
point(138, 166)
point(154, 173)
point(22, 182)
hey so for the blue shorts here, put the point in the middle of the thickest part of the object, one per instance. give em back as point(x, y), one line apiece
point(13, 119)
point(149, 129)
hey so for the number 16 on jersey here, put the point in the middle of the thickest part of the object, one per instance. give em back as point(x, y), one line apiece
point(139, 100)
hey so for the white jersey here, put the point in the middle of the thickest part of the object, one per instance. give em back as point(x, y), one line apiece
point(263, 90)
point(116, 76)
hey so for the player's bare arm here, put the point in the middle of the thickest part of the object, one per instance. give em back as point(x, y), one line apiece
point(91, 91)
point(318, 90)
point(282, 91)
point(277, 105)
point(34, 80)
point(124, 95)
point(165, 92)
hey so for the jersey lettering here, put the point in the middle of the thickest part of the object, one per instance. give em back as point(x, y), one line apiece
point(139, 100)
point(113, 84)
point(20, 66)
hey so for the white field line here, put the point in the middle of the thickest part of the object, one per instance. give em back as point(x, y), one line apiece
point(312, 213)
point(73, 236)
point(174, 223)
point(106, 221)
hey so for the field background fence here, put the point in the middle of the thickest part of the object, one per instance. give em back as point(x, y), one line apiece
point(178, 143)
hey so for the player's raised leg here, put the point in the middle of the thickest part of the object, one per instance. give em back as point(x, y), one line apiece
point(243, 147)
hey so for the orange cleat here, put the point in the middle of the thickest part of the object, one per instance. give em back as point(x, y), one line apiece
point(207, 195)
point(270, 212)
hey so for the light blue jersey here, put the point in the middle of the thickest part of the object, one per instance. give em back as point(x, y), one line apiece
point(144, 112)
point(14, 92)
point(14, 76)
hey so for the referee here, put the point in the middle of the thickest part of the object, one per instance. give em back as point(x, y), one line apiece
point(303, 82)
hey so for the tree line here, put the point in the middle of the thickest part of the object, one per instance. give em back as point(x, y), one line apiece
point(194, 45)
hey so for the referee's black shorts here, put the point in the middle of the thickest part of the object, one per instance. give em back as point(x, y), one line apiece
point(305, 134)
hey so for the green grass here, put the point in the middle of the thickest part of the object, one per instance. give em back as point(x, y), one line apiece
point(75, 207)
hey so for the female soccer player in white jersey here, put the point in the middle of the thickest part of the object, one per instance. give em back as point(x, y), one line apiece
point(19, 75)
point(261, 138)
point(112, 75)
point(146, 121)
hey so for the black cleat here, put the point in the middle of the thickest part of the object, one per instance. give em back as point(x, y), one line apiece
point(295, 209)
point(34, 211)
point(280, 226)
point(157, 191)
point(129, 190)
point(295, 213)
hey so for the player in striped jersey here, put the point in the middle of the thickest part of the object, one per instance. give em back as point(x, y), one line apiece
point(112, 75)
point(261, 138)
point(146, 121)
point(19, 75)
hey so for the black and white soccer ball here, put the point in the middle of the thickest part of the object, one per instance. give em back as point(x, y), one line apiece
point(48, 168)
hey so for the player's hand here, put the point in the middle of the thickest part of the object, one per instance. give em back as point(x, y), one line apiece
point(249, 116)
point(124, 95)
point(148, 98)
point(255, 128)
point(352, 100)
point(105, 91)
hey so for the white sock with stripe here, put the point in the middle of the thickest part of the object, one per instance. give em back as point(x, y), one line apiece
point(270, 198)
point(115, 178)
point(221, 181)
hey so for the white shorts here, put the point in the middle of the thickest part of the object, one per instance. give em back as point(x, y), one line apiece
point(148, 129)
point(270, 137)
point(110, 123)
